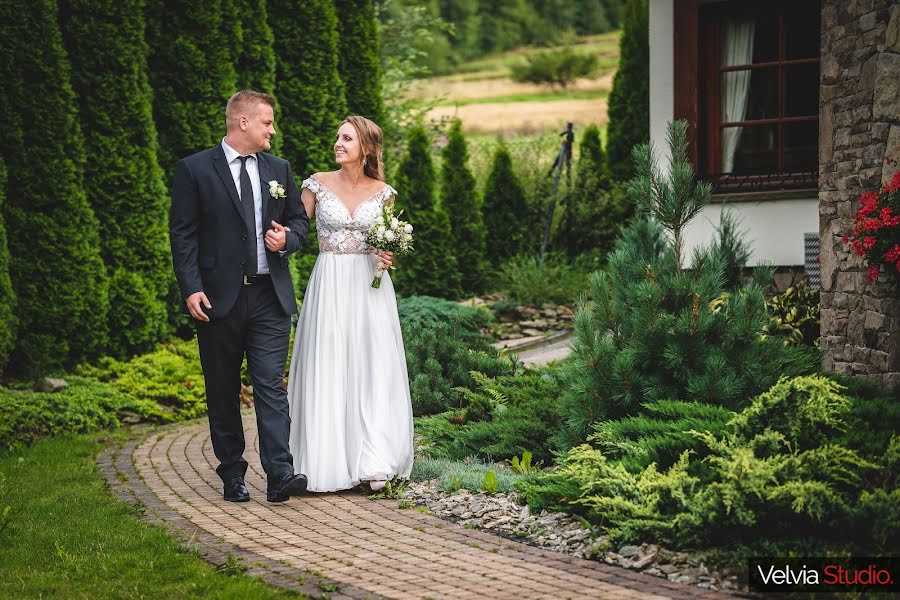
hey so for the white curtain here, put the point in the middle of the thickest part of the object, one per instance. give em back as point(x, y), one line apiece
point(737, 49)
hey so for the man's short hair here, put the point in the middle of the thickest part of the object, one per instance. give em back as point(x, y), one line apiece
point(244, 102)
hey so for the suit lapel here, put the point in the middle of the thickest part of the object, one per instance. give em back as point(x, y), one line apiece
point(264, 178)
point(224, 172)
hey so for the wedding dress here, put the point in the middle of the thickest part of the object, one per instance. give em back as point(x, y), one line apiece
point(351, 414)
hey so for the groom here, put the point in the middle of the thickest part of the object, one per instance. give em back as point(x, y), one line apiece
point(236, 215)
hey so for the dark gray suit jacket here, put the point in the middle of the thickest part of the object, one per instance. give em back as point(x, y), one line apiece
point(207, 230)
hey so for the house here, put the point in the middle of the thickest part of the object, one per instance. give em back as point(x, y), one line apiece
point(793, 111)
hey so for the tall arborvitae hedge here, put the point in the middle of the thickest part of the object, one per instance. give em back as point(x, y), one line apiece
point(56, 269)
point(629, 101)
point(125, 188)
point(8, 321)
point(192, 73)
point(596, 207)
point(432, 269)
point(360, 67)
point(256, 55)
point(309, 89)
point(505, 209)
point(461, 201)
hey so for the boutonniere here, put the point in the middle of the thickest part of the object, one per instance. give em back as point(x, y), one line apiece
point(276, 190)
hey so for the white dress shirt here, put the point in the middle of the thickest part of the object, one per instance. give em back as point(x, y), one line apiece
point(234, 163)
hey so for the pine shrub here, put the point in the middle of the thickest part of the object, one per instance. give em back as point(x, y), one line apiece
point(629, 100)
point(653, 329)
point(432, 268)
point(460, 199)
point(125, 187)
point(426, 311)
point(55, 266)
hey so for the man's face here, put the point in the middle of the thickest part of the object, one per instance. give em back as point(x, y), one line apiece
point(259, 127)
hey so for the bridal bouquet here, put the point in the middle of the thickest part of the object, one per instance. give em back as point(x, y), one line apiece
point(391, 234)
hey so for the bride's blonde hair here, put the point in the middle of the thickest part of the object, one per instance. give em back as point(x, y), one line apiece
point(371, 142)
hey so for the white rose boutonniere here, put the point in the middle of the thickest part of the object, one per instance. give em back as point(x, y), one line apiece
point(276, 190)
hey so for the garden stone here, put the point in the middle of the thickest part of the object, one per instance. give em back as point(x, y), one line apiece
point(629, 551)
point(51, 385)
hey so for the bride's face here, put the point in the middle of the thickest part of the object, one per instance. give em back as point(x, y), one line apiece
point(346, 146)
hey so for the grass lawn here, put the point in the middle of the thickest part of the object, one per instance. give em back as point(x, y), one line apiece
point(67, 536)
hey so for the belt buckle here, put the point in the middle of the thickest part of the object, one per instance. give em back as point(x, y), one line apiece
point(247, 280)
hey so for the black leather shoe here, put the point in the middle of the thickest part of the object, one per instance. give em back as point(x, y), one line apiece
point(236, 491)
point(280, 491)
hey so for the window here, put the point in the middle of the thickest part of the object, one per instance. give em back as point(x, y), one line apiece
point(759, 95)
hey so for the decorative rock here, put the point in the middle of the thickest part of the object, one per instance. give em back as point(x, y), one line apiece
point(51, 385)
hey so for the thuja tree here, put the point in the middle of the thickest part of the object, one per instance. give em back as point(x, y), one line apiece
point(125, 188)
point(360, 67)
point(654, 330)
point(309, 88)
point(629, 100)
point(255, 53)
point(57, 273)
point(461, 200)
point(8, 321)
point(432, 268)
point(505, 209)
point(597, 207)
point(192, 73)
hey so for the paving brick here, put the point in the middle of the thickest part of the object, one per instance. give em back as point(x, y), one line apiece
point(368, 548)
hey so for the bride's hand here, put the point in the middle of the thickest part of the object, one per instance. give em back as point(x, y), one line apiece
point(385, 259)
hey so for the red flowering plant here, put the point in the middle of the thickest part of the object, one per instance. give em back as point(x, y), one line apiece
point(876, 229)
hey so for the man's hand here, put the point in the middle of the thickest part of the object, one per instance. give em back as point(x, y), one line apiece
point(275, 237)
point(194, 302)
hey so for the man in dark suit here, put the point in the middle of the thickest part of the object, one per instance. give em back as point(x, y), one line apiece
point(236, 215)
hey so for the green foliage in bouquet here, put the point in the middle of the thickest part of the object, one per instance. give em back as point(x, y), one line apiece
point(653, 330)
point(779, 471)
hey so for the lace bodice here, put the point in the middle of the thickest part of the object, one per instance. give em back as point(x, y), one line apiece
point(338, 230)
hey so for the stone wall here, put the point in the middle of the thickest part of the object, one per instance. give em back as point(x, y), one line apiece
point(859, 146)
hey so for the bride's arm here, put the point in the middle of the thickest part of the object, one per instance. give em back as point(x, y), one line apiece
point(309, 202)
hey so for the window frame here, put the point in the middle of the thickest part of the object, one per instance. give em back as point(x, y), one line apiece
point(697, 99)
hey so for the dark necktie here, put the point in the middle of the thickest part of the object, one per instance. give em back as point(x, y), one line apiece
point(250, 260)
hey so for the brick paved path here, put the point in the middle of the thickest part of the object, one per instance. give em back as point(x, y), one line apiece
point(347, 545)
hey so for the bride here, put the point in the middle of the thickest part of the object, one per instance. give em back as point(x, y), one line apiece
point(351, 415)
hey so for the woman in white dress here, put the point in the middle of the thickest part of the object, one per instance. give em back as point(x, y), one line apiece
point(351, 414)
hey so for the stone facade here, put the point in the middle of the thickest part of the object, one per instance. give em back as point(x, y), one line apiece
point(859, 149)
